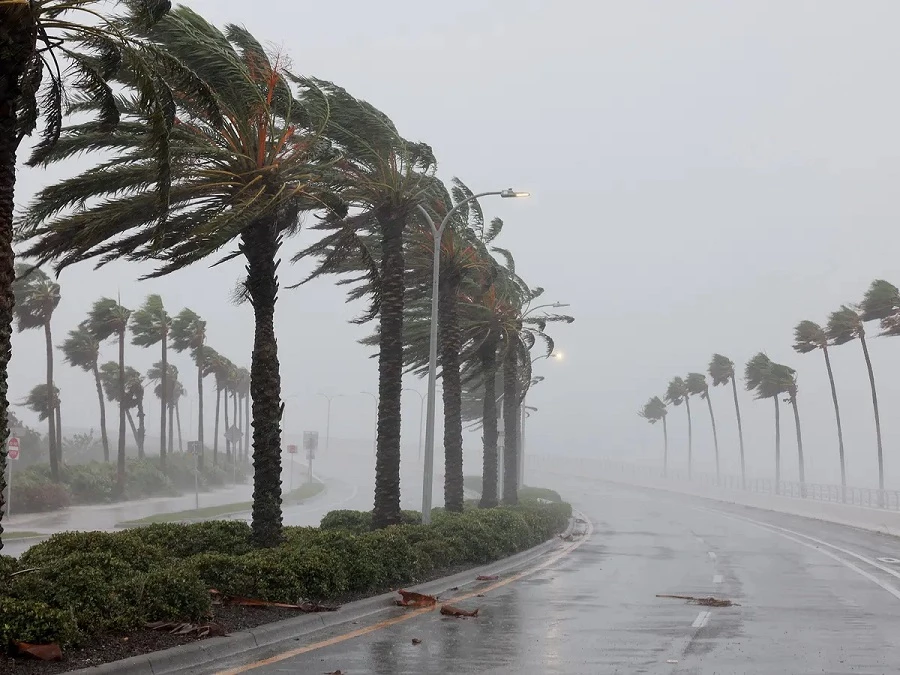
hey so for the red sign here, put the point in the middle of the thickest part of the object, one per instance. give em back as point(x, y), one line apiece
point(292, 449)
point(13, 442)
point(13, 448)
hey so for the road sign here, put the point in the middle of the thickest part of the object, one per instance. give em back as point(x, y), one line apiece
point(13, 448)
point(292, 449)
point(193, 447)
point(311, 443)
point(234, 434)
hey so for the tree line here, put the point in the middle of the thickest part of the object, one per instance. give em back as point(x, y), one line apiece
point(212, 146)
point(767, 379)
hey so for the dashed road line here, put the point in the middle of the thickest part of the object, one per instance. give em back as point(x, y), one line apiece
point(701, 620)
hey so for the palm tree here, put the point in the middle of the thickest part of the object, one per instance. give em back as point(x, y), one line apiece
point(150, 326)
point(676, 394)
point(219, 367)
point(809, 336)
point(109, 319)
point(131, 382)
point(166, 376)
point(696, 385)
point(36, 298)
point(721, 370)
point(654, 411)
point(189, 332)
point(40, 401)
point(789, 379)
point(759, 379)
point(844, 326)
point(82, 350)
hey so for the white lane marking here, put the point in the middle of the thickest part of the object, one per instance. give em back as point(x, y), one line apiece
point(701, 620)
point(718, 579)
point(712, 555)
point(846, 563)
point(890, 561)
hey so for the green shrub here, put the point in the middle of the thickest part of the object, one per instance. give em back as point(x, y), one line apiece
point(34, 622)
point(285, 575)
point(91, 483)
point(122, 546)
point(301, 537)
point(473, 483)
point(183, 541)
point(392, 554)
point(143, 478)
point(362, 571)
point(173, 593)
point(534, 493)
point(219, 571)
point(478, 544)
point(356, 522)
point(37, 495)
point(508, 529)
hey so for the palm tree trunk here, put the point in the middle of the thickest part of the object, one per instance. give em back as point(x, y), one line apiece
point(246, 426)
point(665, 447)
point(134, 430)
point(227, 428)
point(164, 376)
point(737, 412)
point(178, 421)
point(59, 436)
point(862, 340)
point(799, 446)
point(390, 369)
point(200, 408)
point(488, 356)
point(837, 417)
point(171, 445)
point(142, 429)
point(510, 425)
point(450, 340)
point(120, 451)
point(236, 447)
point(51, 417)
point(260, 246)
point(103, 435)
point(216, 428)
point(712, 418)
point(687, 404)
point(777, 446)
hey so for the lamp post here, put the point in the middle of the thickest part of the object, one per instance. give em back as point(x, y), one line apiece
point(438, 233)
point(328, 417)
point(421, 416)
point(375, 440)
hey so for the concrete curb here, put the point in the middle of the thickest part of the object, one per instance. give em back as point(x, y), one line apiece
point(182, 657)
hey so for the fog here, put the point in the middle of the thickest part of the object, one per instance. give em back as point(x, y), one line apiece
point(704, 176)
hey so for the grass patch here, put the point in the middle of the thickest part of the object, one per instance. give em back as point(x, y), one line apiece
point(12, 536)
point(305, 491)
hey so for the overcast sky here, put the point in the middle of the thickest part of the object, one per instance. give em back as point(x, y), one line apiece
point(705, 175)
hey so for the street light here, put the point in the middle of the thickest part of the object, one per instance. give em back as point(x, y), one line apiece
point(374, 398)
point(421, 416)
point(540, 378)
point(438, 233)
point(328, 416)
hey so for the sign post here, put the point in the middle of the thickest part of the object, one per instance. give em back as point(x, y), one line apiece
point(292, 450)
point(12, 453)
point(194, 449)
point(310, 444)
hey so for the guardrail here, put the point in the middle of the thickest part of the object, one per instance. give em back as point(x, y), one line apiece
point(869, 497)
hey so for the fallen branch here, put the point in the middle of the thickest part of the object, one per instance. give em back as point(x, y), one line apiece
point(450, 610)
point(703, 602)
point(413, 599)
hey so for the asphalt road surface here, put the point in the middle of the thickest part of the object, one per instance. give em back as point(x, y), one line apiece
point(812, 597)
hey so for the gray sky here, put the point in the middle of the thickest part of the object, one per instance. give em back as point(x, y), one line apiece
point(705, 175)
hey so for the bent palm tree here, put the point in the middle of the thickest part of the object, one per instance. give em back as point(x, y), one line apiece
point(844, 326)
point(166, 376)
point(37, 297)
point(654, 411)
point(809, 336)
point(721, 370)
point(127, 388)
point(696, 385)
point(189, 333)
point(150, 326)
point(82, 350)
point(761, 378)
point(676, 394)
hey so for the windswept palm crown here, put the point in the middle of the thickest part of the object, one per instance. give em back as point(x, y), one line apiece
point(721, 370)
point(653, 410)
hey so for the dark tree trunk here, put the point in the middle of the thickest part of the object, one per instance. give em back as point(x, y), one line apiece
point(164, 377)
point(665, 447)
point(52, 438)
point(687, 405)
point(712, 419)
point(216, 427)
point(178, 422)
point(489, 478)
point(837, 418)
point(450, 340)
point(260, 246)
point(171, 445)
point(202, 451)
point(17, 40)
point(511, 405)
point(246, 426)
point(137, 436)
point(120, 450)
point(228, 449)
point(777, 446)
point(390, 370)
point(142, 429)
point(236, 447)
point(59, 436)
point(103, 435)
point(737, 412)
point(862, 339)
point(799, 445)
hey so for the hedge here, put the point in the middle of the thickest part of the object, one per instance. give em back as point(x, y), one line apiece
point(81, 584)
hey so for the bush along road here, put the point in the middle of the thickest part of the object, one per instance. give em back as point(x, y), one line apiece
point(84, 598)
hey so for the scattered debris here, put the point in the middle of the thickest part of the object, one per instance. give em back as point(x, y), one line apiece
point(671, 661)
point(309, 607)
point(50, 652)
point(182, 628)
point(487, 577)
point(703, 602)
point(450, 610)
point(416, 641)
point(413, 599)
point(480, 595)
point(335, 672)
point(455, 588)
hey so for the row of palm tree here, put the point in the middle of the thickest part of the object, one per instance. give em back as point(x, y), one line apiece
point(209, 142)
point(770, 380)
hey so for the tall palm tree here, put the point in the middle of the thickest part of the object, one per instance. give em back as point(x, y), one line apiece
point(150, 326)
point(82, 350)
point(131, 382)
point(654, 411)
point(676, 394)
point(758, 379)
point(721, 370)
point(696, 385)
point(166, 376)
point(846, 325)
point(809, 336)
point(189, 333)
point(109, 319)
point(789, 383)
point(36, 298)
point(41, 401)
point(219, 367)
point(258, 127)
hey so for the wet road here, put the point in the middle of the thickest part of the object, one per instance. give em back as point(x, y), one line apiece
point(820, 605)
